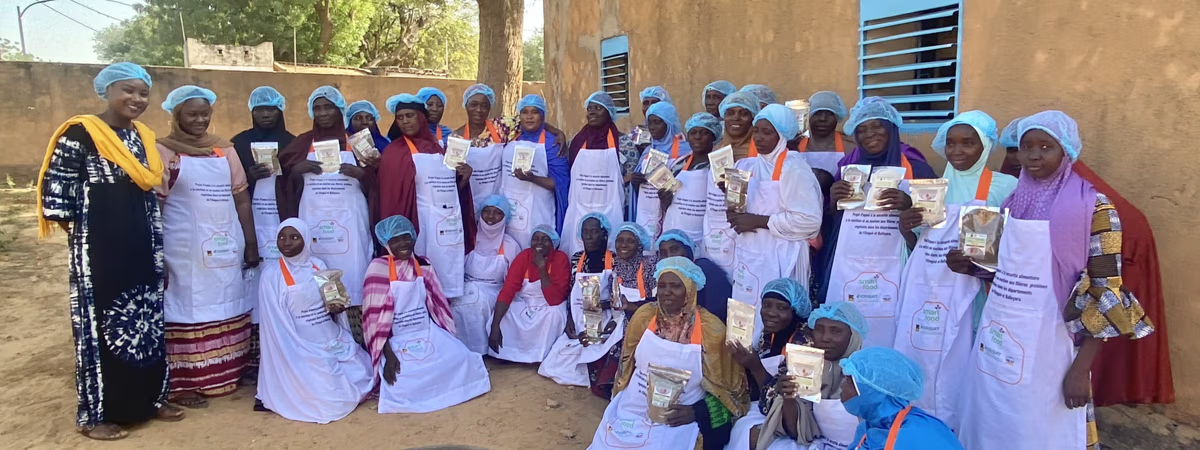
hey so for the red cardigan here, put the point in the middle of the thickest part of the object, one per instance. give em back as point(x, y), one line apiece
point(522, 268)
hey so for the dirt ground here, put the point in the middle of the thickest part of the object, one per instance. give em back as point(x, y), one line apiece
point(37, 401)
point(523, 410)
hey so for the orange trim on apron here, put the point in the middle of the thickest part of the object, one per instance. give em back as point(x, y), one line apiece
point(608, 262)
point(675, 148)
point(641, 279)
point(411, 147)
point(393, 276)
point(753, 149)
point(778, 173)
point(893, 433)
point(985, 186)
point(908, 170)
point(491, 127)
point(612, 143)
point(839, 144)
point(287, 274)
point(697, 329)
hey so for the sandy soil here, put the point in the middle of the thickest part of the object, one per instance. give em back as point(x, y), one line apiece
point(37, 372)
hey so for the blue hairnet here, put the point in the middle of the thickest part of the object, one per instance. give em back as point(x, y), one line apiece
point(844, 312)
point(535, 101)
point(394, 226)
point(679, 236)
point(637, 230)
point(479, 88)
point(396, 100)
point(427, 93)
point(782, 118)
point(706, 121)
point(722, 86)
point(1060, 126)
point(119, 72)
point(740, 99)
point(792, 291)
point(887, 371)
point(658, 92)
point(871, 108)
point(684, 267)
point(361, 106)
point(764, 93)
point(983, 124)
point(187, 92)
point(547, 230)
point(604, 222)
point(266, 96)
point(1008, 137)
point(667, 112)
point(500, 202)
point(827, 101)
point(329, 93)
point(603, 99)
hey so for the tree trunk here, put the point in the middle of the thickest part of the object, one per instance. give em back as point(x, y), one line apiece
point(500, 50)
point(323, 16)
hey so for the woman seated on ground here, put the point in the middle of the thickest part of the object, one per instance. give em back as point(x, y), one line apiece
point(633, 271)
point(410, 331)
point(312, 370)
point(838, 328)
point(784, 309)
point(714, 295)
point(539, 278)
point(486, 267)
point(677, 333)
point(879, 388)
point(569, 358)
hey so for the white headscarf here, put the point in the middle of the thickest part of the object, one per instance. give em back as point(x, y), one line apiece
point(304, 258)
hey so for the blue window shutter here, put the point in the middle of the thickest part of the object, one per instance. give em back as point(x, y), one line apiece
point(909, 54)
point(614, 71)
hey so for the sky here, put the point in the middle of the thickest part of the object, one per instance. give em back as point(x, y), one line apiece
point(51, 36)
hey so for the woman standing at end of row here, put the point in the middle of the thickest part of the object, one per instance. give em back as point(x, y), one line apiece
point(96, 184)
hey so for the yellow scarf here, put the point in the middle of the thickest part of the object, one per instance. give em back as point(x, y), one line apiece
point(112, 148)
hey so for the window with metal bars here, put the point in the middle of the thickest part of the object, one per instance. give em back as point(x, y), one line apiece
point(909, 54)
point(614, 71)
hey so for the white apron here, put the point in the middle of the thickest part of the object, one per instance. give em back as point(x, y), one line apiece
point(266, 220)
point(649, 211)
point(442, 238)
point(312, 370)
point(203, 244)
point(688, 208)
point(935, 315)
point(866, 270)
point(532, 205)
point(720, 241)
point(761, 255)
point(1021, 354)
point(739, 437)
point(531, 326)
point(626, 422)
point(473, 311)
point(436, 370)
point(567, 361)
point(826, 161)
point(335, 209)
point(596, 187)
point(485, 165)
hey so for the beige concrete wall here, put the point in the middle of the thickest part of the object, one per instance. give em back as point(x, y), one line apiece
point(39, 96)
point(1127, 71)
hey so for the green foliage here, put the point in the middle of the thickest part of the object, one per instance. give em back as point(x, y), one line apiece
point(11, 51)
point(534, 53)
point(414, 33)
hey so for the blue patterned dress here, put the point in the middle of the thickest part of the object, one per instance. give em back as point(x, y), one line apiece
point(116, 279)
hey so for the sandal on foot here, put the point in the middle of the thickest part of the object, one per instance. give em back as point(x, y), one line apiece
point(169, 413)
point(193, 401)
point(104, 432)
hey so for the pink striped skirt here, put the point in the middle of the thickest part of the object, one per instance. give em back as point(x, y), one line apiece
point(208, 358)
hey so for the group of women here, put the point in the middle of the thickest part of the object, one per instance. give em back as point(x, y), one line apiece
point(560, 252)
